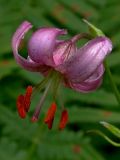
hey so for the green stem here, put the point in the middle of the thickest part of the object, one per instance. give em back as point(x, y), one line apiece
point(42, 84)
point(113, 85)
point(56, 84)
point(81, 36)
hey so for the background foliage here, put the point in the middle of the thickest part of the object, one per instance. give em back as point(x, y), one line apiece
point(22, 140)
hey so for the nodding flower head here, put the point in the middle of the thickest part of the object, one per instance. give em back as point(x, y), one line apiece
point(59, 60)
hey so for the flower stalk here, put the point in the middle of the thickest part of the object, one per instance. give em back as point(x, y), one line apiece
point(97, 32)
point(114, 130)
point(113, 85)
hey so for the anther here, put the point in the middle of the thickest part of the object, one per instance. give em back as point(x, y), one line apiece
point(27, 98)
point(63, 120)
point(50, 115)
point(20, 106)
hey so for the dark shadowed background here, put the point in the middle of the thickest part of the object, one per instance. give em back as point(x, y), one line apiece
point(23, 140)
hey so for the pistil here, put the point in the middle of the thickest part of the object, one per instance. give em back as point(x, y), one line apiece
point(40, 104)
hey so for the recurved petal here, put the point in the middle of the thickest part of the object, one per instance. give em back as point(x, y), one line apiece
point(87, 59)
point(44, 69)
point(89, 85)
point(63, 51)
point(42, 44)
point(16, 39)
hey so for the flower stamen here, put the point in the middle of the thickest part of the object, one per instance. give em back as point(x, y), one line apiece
point(63, 120)
point(20, 106)
point(50, 115)
point(40, 104)
point(27, 98)
point(23, 102)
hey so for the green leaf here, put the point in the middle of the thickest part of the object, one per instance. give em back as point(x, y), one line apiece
point(105, 137)
point(92, 115)
point(111, 128)
point(93, 30)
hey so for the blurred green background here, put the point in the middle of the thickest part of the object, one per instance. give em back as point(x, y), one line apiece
point(23, 140)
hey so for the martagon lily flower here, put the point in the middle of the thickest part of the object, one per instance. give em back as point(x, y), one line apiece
point(59, 61)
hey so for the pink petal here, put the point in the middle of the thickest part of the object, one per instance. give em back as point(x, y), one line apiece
point(91, 84)
point(44, 69)
point(17, 37)
point(86, 60)
point(42, 44)
point(63, 51)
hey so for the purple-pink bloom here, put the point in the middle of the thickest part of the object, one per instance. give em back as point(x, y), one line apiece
point(79, 68)
point(82, 68)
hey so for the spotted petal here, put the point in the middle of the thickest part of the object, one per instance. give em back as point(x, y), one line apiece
point(42, 44)
point(86, 60)
point(17, 37)
point(63, 51)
